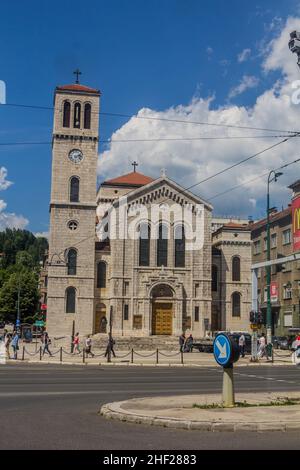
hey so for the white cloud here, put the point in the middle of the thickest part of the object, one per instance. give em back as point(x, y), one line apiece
point(42, 234)
point(4, 183)
point(209, 51)
point(247, 82)
point(191, 161)
point(7, 219)
point(244, 55)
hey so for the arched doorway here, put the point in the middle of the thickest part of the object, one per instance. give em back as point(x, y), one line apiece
point(162, 310)
point(100, 319)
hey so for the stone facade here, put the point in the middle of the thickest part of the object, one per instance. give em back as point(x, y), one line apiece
point(229, 242)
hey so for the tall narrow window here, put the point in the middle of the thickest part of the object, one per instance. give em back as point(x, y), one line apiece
point(236, 268)
point(70, 300)
point(162, 245)
point(66, 114)
point(144, 245)
point(179, 247)
point(77, 112)
point(101, 275)
point(236, 304)
point(72, 262)
point(214, 283)
point(196, 313)
point(74, 189)
point(87, 116)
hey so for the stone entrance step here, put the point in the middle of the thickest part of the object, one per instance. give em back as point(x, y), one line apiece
point(146, 343)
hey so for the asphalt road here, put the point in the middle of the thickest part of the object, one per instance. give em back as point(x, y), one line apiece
point(56, 407)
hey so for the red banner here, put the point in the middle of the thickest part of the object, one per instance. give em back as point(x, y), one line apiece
point(296, 223)
point(274, 291)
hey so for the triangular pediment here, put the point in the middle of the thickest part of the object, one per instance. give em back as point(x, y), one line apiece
point(162, 190)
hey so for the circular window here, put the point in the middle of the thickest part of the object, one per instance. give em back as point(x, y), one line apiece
point(73, 225)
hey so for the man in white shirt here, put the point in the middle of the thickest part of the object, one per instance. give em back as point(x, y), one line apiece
point(242, 343)
point(262, 346)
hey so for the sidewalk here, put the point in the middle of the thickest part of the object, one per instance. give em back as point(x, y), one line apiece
point(179, 412)
point(31, 354)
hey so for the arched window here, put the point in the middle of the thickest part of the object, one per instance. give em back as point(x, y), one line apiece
point(236, 304)
point(77, 113)
point(179, 247)
point(214, 282)
point(162, 245)
point(72, 262)
point(70, 300)
point(66, 114)
point(144, 244)
point(101, 275)
point(74, 189)
point(236, 268)
point(87, 116)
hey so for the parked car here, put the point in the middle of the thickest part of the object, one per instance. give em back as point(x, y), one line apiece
point(281, 342)
point(206, 345)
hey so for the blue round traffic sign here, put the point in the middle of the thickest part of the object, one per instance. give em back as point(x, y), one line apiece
point(225, 350)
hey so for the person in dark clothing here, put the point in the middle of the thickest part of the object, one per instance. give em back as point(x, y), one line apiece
point(189, 344)
point(46, 341)
point(181, 342)
point(110, 346)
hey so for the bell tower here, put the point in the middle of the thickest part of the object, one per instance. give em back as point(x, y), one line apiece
point(71, 268)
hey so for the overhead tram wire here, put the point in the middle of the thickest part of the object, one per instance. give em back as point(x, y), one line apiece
point(232, 166)
point(162, 139)
point(153, 118)
point(253, 179)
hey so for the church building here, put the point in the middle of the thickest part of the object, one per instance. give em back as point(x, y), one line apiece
point(135, 255)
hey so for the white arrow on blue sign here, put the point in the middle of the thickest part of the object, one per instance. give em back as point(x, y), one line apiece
point(222, 350)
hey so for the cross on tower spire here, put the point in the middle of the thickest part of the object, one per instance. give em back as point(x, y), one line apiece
point(77, 73)
point(134, 164)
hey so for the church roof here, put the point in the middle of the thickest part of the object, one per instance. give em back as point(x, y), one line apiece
point(134, 179)
point(77, 87)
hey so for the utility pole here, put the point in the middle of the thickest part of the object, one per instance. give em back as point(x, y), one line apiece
point(18, 322)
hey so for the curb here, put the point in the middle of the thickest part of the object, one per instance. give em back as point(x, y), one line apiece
point(115, 411)
point(129, 364)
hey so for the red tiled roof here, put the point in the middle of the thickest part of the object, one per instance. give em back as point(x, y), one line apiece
point(236, 226)
point(77, 87)
point(131, 179)
point(273, 218)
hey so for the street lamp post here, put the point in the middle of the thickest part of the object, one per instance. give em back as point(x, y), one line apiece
point(273, 176)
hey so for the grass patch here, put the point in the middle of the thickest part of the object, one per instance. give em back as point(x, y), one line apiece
point(244, 404)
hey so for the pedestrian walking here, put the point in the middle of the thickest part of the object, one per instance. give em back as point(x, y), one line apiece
point(76, 344)
point(188, 347)
point(7, 341)
point(110, 346)
point(46, 341)
point(88, 346)
point(15, 344)
point(262, 346)
point(242, 344)
point(181, 342)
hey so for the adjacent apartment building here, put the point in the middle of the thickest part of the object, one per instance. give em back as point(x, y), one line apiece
point(285, 278)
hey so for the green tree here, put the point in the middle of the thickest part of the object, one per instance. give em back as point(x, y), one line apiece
point(27, 282)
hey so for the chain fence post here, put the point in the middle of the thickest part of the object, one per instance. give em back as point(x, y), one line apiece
point(83, 355)
point(60, 354)
point(156, 355)
point(181, 353)
point(131, 355)
point(40, 353)
point(23, 353)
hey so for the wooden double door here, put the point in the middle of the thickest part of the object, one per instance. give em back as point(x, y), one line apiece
point(162, 317)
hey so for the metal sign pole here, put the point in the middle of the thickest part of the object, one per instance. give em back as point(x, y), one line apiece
point(228, 387)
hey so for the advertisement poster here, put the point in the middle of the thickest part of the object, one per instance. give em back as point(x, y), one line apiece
point(296, 224)
point(274, 292)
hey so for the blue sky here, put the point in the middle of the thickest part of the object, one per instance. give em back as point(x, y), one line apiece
point(157, 54)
